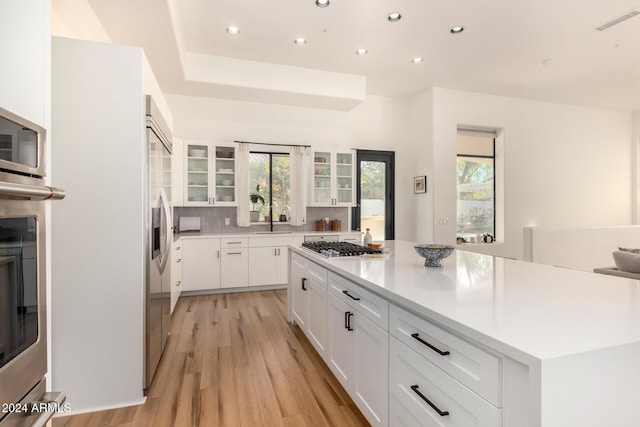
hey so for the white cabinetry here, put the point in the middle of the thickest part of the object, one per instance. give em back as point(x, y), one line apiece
point(333, 177)
point(309, 301)
point(209, 174)
point(440, 378)
point(358, 346)
point(176, 272)
point(234, 269)
point(201, 264)
point(268, 261)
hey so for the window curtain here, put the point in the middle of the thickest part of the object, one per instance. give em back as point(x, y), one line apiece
point(298, 209)
point(242, 184)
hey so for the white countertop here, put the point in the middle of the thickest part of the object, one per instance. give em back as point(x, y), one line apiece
point(519, 308)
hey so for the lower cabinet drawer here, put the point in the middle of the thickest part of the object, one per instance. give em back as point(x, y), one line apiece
point(430, 396)
point(367, 303)
point(474, 367)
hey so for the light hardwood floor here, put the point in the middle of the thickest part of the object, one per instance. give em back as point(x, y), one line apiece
point(233, 360)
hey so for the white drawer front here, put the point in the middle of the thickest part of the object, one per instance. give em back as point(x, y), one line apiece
point(309, 269)
point(476, 368)
point(368, 304)
point(268, 241)
point(433, 397)
point(234, 242)
point(298, 261)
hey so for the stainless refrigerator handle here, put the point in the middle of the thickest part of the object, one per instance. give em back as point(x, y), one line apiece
point(167, 216)
point(41, 192)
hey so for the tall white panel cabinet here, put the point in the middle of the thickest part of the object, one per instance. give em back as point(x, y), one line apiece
point(25, 34)
point(98, 235)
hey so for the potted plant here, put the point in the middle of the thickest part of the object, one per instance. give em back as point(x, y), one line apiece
point(254, 214)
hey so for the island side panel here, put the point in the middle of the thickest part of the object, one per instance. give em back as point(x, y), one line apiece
point(593, 389)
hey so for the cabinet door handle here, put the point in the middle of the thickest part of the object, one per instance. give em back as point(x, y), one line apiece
point(218, 254)
point(351, 296)
point(278, 251)
point(304, 280)
point(179, 259)
point(423, 397)
point(178, 248)
point(347, 320)
point(178, 283)
point(432, 347)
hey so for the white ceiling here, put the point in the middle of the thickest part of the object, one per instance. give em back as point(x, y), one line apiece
point(547, 49)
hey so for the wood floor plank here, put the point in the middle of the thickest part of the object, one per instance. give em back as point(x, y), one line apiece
point(228, 410)
point(233, 360)
point(209, 407)
point(188, 413)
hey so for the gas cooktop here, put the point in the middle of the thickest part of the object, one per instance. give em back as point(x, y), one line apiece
point(339, 249)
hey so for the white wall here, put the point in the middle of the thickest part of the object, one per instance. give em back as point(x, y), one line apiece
point(421, 128)
point(378, 123)
point(76, 19)
point(564, 165)
point(636, 168)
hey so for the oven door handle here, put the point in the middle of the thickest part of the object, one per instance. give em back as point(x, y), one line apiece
point(39, 192)
point(50, 403)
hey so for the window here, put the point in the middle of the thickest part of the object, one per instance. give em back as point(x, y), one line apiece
point(476, 184)
point(269, 187)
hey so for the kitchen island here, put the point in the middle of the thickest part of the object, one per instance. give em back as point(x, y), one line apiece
point(482, 341)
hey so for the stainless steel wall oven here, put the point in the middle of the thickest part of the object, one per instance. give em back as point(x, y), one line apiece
point(23, 329)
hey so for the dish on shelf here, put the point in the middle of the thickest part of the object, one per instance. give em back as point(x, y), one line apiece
point(224, 154)
point(227, 182)
point(227, 198)
point(320, 160)
point(197, 152)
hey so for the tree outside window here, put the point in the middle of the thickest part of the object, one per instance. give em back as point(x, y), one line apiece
point(269, 177)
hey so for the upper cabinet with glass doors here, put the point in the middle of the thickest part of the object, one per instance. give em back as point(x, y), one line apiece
point(333, 178)
point(209, 174)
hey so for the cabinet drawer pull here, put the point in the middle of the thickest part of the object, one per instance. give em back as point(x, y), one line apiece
point(304, 280)
point(234, 253)
point(347, 320)
point(437, 350)
point(423, 397)
point(233, 243)
point(350, 296)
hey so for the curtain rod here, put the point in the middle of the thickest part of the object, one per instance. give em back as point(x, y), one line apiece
point(278, 145)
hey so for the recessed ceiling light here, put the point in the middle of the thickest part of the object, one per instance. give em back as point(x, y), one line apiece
point(457, 30)
point(362, 52)
point(417, 60)
point(300, 41)
point(233, 30)
point(322, 3)
point(394, 17)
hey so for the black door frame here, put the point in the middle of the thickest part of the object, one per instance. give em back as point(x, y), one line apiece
point(387, 157)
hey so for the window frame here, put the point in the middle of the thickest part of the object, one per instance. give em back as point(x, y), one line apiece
point(493, 160)
point(270, 201)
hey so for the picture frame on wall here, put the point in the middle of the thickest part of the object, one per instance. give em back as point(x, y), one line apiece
point(420, 184)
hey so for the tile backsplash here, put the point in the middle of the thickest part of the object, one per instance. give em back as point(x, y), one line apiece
point(212, 219)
